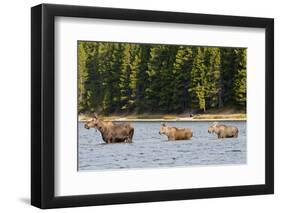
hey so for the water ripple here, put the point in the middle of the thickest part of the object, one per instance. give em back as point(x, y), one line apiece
point(150, 150)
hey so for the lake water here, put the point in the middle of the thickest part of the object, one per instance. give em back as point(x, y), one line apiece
point(151, 150)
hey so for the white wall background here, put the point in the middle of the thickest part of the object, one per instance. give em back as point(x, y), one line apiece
point(15, 105)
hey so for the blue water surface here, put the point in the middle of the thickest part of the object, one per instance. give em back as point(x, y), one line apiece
point(151, 150)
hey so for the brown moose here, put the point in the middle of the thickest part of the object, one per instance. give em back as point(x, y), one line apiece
point(174, 133)
point(111, 132)
point(223, 131)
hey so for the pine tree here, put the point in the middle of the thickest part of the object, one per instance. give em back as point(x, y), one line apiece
point(152, 90)
point(181, 71)
point(142, 78)
point(114, 76)
point(134, 67)
point(105, 79)
point(198, 88)
point(213, 87)
point(239, 84)
point(227, 75)
point(124, 78)
point(90, 95)
point(82, 76)
point(168, 57)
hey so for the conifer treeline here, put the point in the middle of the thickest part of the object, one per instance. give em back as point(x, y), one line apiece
point(154, 78)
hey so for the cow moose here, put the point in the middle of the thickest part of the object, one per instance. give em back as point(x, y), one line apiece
point(223, 131)
point(174, 133)
point(111, 132)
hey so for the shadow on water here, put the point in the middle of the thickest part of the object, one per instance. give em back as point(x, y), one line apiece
point(107, 144)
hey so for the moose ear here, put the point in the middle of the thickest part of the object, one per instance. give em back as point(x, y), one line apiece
point(163, 124)
point(215, 123)
point(95, 115)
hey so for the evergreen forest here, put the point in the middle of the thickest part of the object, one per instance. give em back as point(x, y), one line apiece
point(134, 78)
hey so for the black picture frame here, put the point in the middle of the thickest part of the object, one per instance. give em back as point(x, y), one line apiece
point(43, 102)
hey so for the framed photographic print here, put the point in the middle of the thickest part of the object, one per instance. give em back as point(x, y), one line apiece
point(139, 106)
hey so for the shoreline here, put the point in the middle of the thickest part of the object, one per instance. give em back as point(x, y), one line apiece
point(168, 120)
point(195, 118)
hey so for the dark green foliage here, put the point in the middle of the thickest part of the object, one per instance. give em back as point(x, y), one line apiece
point(153, 78)
point(240, 77)
point(182, 67)
point(198, 83)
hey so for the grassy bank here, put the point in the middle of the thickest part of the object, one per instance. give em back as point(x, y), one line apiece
point(170, 117)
